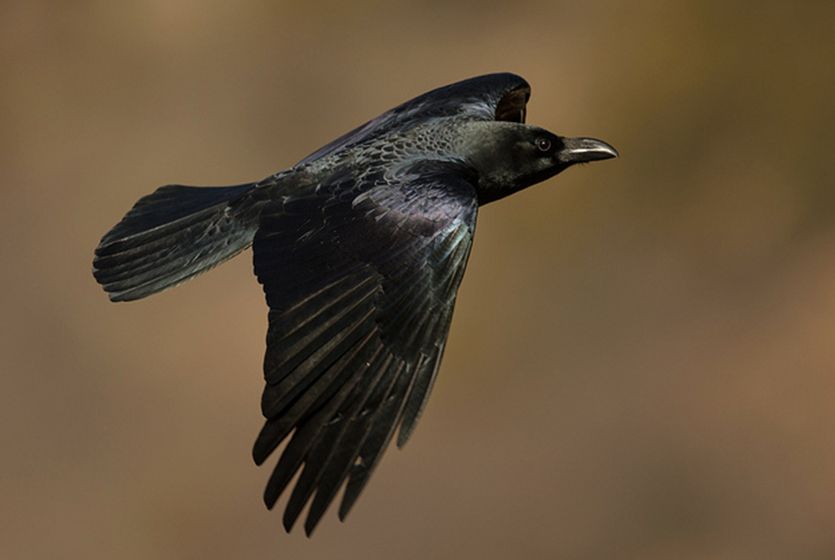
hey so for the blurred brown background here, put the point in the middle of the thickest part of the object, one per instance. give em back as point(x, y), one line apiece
point(641, 363)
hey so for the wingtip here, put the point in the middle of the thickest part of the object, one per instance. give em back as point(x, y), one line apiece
point(288, 519)
point(344, 510)
point(269, 501)
point(348, 501)
point(402, 438)
point(258, 455)
point(310, 526)
point(271, 495)
point(405, 433)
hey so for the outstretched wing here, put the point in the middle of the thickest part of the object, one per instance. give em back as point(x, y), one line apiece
point(360, 278)
point(492, 97)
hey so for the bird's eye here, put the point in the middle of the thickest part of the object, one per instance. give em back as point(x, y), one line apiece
point(543, 144)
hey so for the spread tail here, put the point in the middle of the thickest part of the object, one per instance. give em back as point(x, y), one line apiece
point(173, 234)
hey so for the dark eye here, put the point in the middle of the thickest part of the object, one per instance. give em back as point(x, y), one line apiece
point(543, 144)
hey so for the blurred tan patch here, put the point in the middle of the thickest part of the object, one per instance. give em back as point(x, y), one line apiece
point(641, 363)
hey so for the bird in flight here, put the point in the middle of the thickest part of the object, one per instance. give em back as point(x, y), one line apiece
point(360, 249)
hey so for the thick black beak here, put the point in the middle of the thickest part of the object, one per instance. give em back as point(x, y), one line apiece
point(581, 150)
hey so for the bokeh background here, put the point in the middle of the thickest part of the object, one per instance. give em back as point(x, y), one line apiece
point(641, 363)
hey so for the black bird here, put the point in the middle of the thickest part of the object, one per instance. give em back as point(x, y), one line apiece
point(360, 248)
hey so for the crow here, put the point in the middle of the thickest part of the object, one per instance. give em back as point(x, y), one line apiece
point(360, 249)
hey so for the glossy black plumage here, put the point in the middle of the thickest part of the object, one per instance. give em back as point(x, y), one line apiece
point(360, 249)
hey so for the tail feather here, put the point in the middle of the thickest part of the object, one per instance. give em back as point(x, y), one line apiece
point(174, 234)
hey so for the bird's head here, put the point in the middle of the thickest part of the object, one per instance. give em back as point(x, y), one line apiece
point(509, 157)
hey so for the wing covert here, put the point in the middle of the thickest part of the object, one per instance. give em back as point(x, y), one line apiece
point(501, 96)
